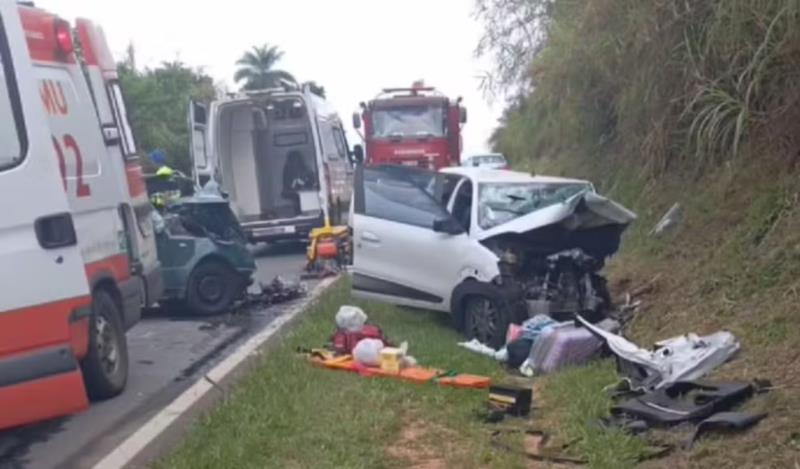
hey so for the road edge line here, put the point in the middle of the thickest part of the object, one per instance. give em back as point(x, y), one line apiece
point(137, 442)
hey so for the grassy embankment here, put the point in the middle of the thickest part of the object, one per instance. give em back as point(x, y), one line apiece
point(696, 103)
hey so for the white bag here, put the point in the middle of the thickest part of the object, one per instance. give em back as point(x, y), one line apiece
point(350, 318)
point(368, 352)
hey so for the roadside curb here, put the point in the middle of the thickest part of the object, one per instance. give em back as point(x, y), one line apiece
point(146, 443)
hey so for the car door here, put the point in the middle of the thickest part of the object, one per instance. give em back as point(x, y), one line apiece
point(202, 167)
point(45, 302)
point(408, 250)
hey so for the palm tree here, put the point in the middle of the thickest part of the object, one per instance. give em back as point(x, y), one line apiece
point(256, 68)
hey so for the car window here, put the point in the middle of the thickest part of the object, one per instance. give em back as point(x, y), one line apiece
point(11, 125)
point(389, 197)
point(446, 184)
point(462, 205)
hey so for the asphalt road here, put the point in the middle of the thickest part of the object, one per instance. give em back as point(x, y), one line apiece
point(167, 354)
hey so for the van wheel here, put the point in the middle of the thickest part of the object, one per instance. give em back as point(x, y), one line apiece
point(105, 367)
point(486, 319)
point(212, 288)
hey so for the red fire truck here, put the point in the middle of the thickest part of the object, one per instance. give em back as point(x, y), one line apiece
point(416, 126)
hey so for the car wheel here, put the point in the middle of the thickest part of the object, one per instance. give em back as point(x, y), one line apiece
point(105, 367)
point(211, 289)
point(486, 319)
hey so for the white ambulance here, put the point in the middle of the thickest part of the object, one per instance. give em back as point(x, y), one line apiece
point(249, 144)
point(77, 249)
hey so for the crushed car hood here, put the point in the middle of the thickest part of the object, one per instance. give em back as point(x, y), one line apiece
point(586, 220)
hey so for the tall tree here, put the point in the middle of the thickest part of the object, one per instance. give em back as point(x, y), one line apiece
point(158, 102)
point(257, 68)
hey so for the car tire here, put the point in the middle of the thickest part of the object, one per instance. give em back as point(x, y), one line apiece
point(211, 289)
point(105, 366)
point(486, 318)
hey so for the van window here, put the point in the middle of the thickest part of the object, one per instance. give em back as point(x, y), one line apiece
point(121, 115)
point(12, 134)
point(341, 143)
point(329, 144)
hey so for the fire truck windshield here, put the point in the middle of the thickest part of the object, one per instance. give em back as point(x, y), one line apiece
point(409, 121)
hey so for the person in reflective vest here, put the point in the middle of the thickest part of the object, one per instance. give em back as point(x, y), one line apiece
point(162, 198)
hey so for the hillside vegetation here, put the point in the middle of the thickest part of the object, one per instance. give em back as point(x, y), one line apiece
point(678, 101)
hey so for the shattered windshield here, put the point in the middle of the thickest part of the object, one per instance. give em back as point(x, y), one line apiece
point(409, 121)
point(502, 202)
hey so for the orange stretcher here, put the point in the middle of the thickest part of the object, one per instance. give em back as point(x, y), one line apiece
point(414, 374)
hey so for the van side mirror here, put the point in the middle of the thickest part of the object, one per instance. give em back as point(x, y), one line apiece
point(356, 120)
point(358, 154)
point(462, 115)
point(448, 226)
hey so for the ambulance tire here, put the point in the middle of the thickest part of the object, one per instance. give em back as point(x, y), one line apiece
point(212, 289)
point(105, 367)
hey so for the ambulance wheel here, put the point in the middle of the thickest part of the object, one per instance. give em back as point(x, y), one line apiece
point(211, 289)
point(486, 318)
point(105, 367)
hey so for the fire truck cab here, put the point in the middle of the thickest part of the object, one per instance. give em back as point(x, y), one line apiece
point(416, 126)
point(77, 250)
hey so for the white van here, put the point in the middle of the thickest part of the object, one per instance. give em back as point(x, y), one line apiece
point(77, 251)
point(281, 156)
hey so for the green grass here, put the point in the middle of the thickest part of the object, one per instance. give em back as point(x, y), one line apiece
point(575, 399)
point(288, 413)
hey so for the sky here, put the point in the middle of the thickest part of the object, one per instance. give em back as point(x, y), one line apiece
point(354, 48)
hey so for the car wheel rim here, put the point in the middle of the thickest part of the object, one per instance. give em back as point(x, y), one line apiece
point(107, 346)
point(483, 316)
point(211, 288)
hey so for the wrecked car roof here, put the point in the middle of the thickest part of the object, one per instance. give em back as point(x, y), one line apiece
point(483, 174)
point(582, 211)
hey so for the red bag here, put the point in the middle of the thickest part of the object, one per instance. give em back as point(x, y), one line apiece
point(344, 341)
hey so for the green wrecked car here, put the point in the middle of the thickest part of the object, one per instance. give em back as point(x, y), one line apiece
point(205, 263)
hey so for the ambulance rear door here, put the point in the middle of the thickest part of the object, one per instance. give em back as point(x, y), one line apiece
point(45, 305)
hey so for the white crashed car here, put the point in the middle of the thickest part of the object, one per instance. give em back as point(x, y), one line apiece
point(490, 161)
point(490, 246)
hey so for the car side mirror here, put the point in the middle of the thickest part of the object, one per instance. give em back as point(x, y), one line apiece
point(462, 115)
point(448, 226)
point(356, 120)
point(358, 153)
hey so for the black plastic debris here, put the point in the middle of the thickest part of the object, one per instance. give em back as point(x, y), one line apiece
point(277, 291)
point(727, 421)
point(684, 401)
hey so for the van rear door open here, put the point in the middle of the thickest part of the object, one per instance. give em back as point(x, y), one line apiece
point(44, 308)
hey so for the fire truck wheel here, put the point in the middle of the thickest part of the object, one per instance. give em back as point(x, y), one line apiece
point(105, 367)
point(211, 289)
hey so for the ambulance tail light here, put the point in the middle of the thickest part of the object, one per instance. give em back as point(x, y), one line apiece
point(64, 37)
